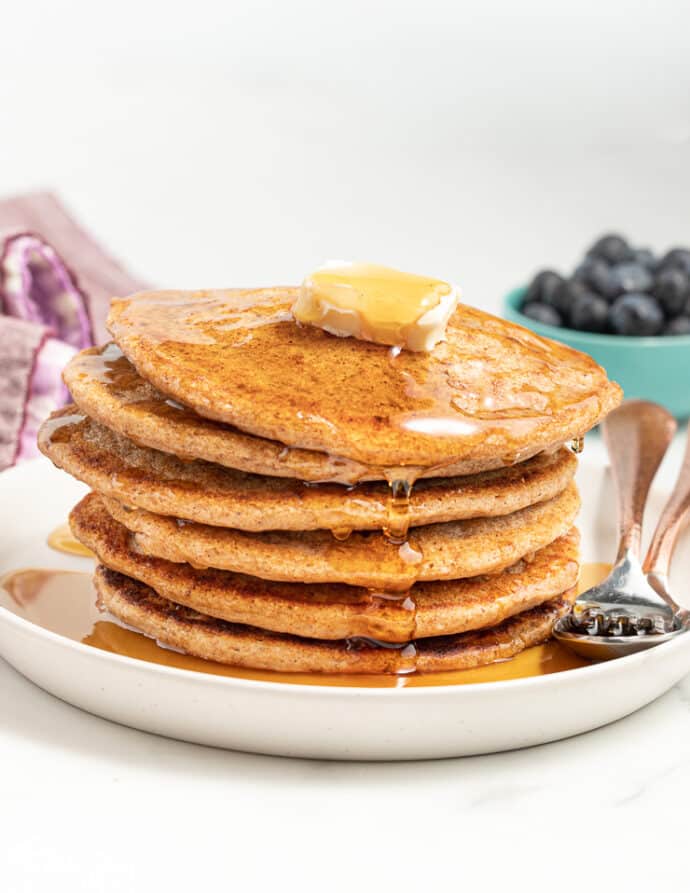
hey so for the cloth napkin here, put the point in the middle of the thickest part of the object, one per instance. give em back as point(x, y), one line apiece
point(55, 287)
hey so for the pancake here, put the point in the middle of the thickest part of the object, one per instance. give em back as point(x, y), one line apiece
point(447, 551)
point(332, 611)
point(210, 494)
point(490, 392)
point(107, 387)
point(195, 633)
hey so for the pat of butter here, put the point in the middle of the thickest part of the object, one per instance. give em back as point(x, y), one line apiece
point(377, 304)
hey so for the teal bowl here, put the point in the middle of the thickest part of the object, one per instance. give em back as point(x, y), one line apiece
point(656, 369)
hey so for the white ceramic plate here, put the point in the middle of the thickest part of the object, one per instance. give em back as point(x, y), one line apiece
point(319, 721)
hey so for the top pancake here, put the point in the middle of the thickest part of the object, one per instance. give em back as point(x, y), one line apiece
point(493, 389)
point(107, 387)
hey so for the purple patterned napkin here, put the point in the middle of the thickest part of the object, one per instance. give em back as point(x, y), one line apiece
point(55, 286)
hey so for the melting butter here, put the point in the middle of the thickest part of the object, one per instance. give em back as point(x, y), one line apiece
point(379, 304)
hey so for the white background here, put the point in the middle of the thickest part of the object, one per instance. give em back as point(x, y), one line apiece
point(225, 143)
point(216, 143)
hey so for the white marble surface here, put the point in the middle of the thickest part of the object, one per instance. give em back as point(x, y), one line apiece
point(243, 143)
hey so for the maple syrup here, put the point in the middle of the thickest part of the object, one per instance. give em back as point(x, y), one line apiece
point(398, 509)
point(111, 368)
point(64, 602)
point(62, 540)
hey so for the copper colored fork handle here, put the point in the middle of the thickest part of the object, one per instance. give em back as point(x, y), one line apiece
point(637, 436)
point(674, 517)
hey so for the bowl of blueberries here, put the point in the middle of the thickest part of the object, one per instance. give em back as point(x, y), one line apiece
point(626, 307)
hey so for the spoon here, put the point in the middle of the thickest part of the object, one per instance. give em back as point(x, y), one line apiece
point(632, 609)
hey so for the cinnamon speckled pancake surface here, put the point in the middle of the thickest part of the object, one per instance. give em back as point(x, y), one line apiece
point(107, 387)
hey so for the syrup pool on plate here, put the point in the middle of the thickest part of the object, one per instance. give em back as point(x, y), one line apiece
point(62, 540)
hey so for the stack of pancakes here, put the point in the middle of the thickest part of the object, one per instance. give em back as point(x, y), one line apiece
point(271, 496)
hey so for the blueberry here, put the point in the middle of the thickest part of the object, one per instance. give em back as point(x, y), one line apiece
point(676, 258)
point(636, 314)
point(542, 313)
point(593, 271)
point(589, 313)
point(678, 326)
point(672, 290)
point(644, 257)
point(611, 248)
point(543, 287)
point(566, 294)
point(626, 278)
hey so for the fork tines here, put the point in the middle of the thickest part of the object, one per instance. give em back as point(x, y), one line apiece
point(595, 622)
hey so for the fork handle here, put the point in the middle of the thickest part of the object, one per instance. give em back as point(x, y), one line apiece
point(674, 517)
point(637, 436)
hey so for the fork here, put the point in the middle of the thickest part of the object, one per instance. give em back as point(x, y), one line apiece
point(633, 609)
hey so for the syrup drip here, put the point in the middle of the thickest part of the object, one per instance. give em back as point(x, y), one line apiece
point(396, 529)
point(404, 601)
point(58, 430)
point(64, 602)
point(111, 368)
point(398, 507)
point(405, 652)
point(410, 554)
